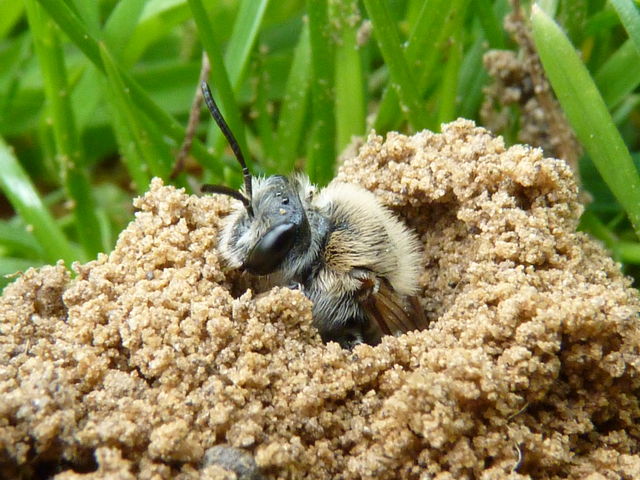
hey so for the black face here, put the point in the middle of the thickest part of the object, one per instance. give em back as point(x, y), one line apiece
point(279, 206)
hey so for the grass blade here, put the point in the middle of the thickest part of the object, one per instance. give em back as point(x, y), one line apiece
point(321, 149)
point(629, 252)
point(620, 74)
point(628, 105)
point(11, 13)
point(238, 53)
point(68, 144)
point(350, 84)
point(68, 21)
point(294, 103)
point(17, 186)
point(70, 24)
point(220, 79)
point(13, 57)
point(424, 47)
point(16, 239)
point(155, 162)
point(587, 113)
point(491, 25)
point(402, 78)
point(473, 78)
point(263, 114)
point(121, 25)
point(447, 97)
point(630, 18)
point(243, 38)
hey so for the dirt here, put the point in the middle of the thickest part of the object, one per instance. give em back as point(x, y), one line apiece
point(155, 362)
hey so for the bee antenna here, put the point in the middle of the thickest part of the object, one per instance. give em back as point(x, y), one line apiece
point(233, 143)
point(224, 190)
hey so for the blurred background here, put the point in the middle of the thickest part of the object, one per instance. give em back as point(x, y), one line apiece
point(95, 99)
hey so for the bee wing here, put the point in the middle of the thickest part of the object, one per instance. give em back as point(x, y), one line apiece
point(393, 313)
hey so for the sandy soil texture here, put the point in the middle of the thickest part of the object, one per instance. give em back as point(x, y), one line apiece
point(154, 353)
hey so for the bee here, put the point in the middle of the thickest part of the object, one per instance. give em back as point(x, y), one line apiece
point(340, 246)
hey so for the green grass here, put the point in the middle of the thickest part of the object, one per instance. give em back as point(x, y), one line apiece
point(95, 96)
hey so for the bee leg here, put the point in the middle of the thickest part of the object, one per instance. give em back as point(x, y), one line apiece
point(351, 341)
point(346, 337)
point(296, 286)
point(369, 285)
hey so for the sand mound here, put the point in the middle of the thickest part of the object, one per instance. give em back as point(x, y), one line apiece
point(146, 360)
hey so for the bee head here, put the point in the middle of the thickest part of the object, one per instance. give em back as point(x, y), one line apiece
point(272, 223)
point(278, 228)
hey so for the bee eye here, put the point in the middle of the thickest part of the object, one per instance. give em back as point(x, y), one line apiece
point(267, 254)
